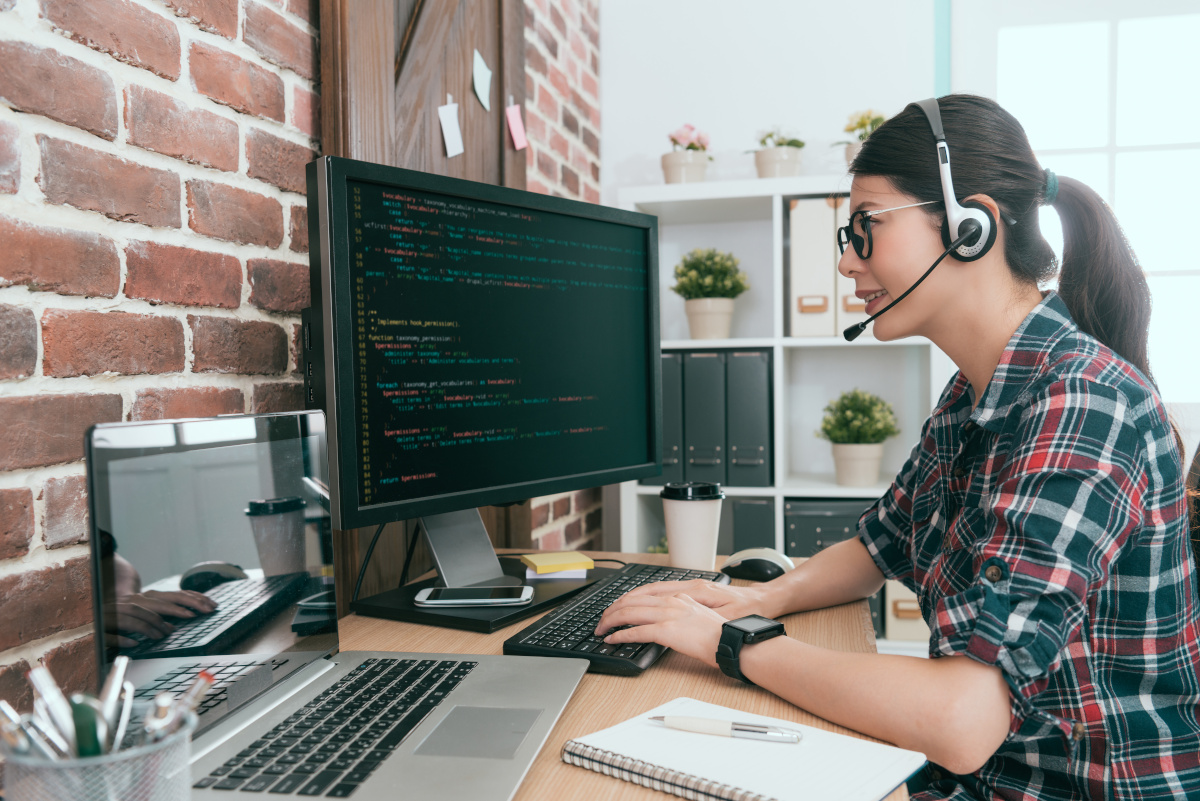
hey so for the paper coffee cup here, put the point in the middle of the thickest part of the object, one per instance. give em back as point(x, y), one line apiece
point(278, 526)
point(692, 512)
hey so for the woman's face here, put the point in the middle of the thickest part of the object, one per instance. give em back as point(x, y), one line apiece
point(903, 245)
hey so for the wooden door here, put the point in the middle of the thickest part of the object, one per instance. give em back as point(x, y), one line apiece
point(386, 66)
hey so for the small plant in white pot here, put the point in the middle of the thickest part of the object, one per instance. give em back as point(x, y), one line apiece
point(778, 155)
point(688, 159)
point(862, 124)
point(708, 281)
point(856, 424)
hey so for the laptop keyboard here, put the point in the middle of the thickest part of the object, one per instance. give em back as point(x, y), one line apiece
point(333, 743)
point(177, 680)
point(570, 631)
point(241, 606)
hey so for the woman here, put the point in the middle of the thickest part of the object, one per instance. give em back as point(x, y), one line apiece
point(1040, 518)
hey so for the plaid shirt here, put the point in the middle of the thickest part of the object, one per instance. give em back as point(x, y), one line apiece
point(1045, 533)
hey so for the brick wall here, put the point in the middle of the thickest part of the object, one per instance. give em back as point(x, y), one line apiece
point(153, 257)
point(562, 117)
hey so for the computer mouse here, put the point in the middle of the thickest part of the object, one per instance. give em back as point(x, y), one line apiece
point(757, 564)
point(203, 576)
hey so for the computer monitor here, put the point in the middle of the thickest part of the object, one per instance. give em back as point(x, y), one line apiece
point(475, 345)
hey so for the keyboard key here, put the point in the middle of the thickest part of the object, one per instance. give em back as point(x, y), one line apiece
point(342, 790)
point(289, 784)
point(228, 784)
point(320, 782)
point(207, 781)
point(259, 784)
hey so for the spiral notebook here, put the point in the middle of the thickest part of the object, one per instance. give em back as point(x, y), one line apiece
point(704, 766)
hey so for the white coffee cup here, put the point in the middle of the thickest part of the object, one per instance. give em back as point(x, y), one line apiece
point(278, 526)
point(692, 512)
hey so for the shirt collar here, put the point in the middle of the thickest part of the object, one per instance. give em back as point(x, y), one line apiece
point(1023, 360)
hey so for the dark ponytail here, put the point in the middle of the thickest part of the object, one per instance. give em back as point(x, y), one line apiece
point(1101, 282)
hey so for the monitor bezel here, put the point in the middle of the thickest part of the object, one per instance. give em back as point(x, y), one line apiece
point(329, 176)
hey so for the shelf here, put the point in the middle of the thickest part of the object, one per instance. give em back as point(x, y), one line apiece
point(724, 201)
point(709, 344)
point(731, 492)
point(903, 648)
point(818, 485)
point(840, 342)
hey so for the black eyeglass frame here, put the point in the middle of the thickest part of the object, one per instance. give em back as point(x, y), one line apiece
point(863, 244)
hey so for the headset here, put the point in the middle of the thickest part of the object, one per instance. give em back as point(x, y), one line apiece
point(969, 230)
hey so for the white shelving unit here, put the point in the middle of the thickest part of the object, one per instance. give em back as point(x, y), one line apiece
point(746, 218)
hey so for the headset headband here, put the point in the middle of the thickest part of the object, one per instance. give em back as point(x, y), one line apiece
point(956, 214)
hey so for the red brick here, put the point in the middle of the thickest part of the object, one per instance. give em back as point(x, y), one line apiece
point(306, 112)
point(65, 521)
point(169, 274)
point(235, 82)
point(277, 161)
point(534, 60)
point(307, 10)
point(570, 180)
point(163, 124)
point(593, 520)
point(586, 108)
point(225, 345)
point(217, 16)
point(297, 348)
point(562, 507)
point(91, 343)
point(18, 342)
point(94, 181)
point(39, 603)
point(535, 126)
point(546, 103)
point(591, 141)
point(590, 31)
point(549, 40)
point(558, 80)
point(595, 172)
point(40, 430)
point(539, 515)
point(236, 215)
point(169, 404)
point(534, 185)
point(586, 498)
point(279, 41)
point(572, 532)
point(570, 122)
point(595, 58)
point(10, 158)
point(590, 195)
point(14, 688)
point(278, 285)
point(58, 260)
point(298, 231)
point(278, 397)
point(39, 80)
point(579, 161)
point(73, 666)
point(125, 31)
point(589, 85)
point(550, 541)
point(556, 19)
point(16, 522)
point(546, 165)
point(560, 145)
point(578, 47)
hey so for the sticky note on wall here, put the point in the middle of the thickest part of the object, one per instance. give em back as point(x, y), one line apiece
point(451, 133)
point(516, 126)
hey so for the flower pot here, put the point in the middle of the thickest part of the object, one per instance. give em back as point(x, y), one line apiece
point(857, 465)
point(777, 162)
point(684, 166)
point(852, 149)
point(709, 318)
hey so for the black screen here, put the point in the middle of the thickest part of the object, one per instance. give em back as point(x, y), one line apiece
point(493, 344)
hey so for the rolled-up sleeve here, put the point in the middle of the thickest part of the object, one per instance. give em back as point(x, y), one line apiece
point(886, 527)
point(1063, 507)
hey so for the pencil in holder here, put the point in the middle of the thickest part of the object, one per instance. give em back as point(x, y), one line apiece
point(145, 771)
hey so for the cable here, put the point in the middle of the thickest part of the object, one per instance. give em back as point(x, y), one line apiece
point(412, 546)
point(362, 569)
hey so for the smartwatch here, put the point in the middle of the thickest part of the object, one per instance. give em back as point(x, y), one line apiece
point(741, 632)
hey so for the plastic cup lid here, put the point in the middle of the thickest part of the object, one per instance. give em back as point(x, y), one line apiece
point(692, 491)
point(275, 506)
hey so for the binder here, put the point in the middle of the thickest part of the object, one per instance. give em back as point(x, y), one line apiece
point(850, 309)
point(811, 526)
point(672, 399)
point(704, 417)
point(748, 418)
point(811, 272)
point(753, 523)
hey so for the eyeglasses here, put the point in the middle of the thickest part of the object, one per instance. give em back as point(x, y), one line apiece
point(858, 231)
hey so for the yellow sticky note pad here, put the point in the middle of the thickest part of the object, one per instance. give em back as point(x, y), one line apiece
point(554, 562)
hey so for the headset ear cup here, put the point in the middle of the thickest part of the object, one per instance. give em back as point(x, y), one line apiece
point(991, 236)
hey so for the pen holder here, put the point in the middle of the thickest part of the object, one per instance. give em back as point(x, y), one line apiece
point(151, 771)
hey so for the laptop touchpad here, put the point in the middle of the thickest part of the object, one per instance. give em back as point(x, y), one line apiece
point(479, 731)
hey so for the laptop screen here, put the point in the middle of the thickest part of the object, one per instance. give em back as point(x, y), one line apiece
point(211, 540)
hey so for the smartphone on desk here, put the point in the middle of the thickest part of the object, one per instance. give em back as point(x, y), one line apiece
point(474, 596)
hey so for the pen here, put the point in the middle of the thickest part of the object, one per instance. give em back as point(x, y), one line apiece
point(15, 738)
point(729, 728)
point(123, 718)
point(58, 708)
point(111, 693)
point(91, 732)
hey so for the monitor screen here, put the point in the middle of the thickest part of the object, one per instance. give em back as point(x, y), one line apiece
point(477, 344)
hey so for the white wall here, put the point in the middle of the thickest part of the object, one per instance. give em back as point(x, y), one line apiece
point(735, 69)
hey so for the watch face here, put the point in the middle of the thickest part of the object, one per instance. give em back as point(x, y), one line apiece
point(755, 624)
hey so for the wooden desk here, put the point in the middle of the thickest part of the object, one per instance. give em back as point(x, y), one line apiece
point(602, 701)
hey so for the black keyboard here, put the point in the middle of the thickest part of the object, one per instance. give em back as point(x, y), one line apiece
point(224, 674)
point(570, 630)
point(242, 606)
point(333, 743)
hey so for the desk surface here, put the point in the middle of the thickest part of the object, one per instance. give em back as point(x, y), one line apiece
point(602, 701)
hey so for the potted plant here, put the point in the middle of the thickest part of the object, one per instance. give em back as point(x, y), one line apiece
point(688, 159)
point(862, 125)
point(708, 281)
point(856, 424)
point(778, 155)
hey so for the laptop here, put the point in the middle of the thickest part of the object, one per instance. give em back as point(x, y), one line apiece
point(236, 508)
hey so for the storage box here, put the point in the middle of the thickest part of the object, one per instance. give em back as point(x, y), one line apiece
point(902, 614)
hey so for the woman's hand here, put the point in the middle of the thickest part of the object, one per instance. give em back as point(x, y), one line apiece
point(676, 621)
point(143, 613)
point(728, 601)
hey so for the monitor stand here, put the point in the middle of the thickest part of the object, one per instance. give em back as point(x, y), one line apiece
point(464, 557)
